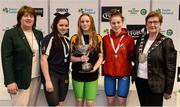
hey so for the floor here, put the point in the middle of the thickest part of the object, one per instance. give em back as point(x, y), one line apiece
point(101, 100)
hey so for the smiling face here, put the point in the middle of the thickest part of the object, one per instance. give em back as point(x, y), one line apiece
point(62, 26)
point(153, 25)
point(116, 23)
point(85, 23)
point(27, 21)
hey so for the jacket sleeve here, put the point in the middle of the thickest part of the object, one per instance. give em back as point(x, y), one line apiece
point(170, 67)
point(131, 50)
point(7, 57)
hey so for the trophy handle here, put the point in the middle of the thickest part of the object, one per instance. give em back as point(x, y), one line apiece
point(77, 50)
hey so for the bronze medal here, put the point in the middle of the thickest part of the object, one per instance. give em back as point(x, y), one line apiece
point(118, 46)
point(142, 57)
point(33, 51)
point(115, 55)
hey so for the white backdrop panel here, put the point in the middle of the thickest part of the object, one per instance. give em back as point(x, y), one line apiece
point(134, 11)
point(74, 7)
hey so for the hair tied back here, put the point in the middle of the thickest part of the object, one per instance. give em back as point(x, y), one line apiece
point(62, 15)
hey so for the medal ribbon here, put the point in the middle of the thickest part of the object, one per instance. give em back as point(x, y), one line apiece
point(118, 46)
point(66, 53)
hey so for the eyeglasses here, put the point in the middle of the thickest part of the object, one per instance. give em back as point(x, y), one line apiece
point(153, 22)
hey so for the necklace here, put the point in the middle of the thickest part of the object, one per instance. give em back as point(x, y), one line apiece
point(33, 50)
point(30, 38)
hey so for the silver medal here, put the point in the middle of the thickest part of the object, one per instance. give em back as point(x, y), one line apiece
point(65, 60)
point(65, 54)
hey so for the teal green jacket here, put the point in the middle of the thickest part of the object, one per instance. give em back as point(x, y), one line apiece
point(17, 57)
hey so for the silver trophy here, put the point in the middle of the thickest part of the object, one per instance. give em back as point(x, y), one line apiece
point(84, 49)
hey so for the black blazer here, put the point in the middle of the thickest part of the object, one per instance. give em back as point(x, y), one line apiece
point(161, 64)
point(17, 57)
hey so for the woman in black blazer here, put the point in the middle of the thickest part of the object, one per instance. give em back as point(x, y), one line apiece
point(155, 63)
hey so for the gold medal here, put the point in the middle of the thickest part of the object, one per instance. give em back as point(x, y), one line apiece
point(142, 57)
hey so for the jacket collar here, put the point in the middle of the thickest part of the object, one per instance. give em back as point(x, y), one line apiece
point(24, 39)
point(156, 41)
point(123, 32)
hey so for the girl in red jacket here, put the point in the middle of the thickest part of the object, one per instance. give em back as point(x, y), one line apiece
point(118, 52)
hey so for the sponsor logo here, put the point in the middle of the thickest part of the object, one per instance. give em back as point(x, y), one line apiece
point(39, 11)
point(165, 11)
point(59, 10)
point(106, 31)
point(135, 11)
point(143, 11)
point(105, 11)
point(9, 10)
point(87, 10)
point(136, 30)
point(167, 32)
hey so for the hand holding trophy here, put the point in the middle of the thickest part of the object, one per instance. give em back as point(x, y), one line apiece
point(84, 50)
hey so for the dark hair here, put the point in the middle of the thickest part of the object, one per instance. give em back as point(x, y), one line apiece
point(56, 20)
point(115, 12)
point(25, 9)
point(54, 26)
point(154, 14)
